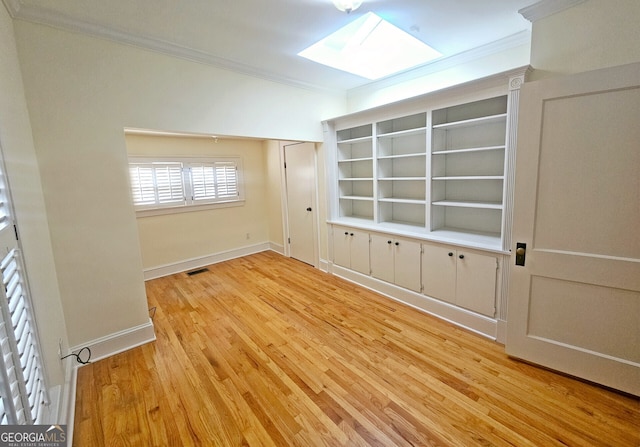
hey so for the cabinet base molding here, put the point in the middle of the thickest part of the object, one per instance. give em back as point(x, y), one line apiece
point(480, 324)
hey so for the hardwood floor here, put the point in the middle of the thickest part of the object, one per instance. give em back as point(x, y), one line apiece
point(267, 351)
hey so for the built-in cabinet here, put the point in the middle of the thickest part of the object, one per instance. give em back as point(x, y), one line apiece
point(429, 180)
point(396, 260)
point(351, 249)
point(464, 277)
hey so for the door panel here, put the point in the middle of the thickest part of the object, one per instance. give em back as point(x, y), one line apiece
point(407, 264)
point(439, 272)
point(360, 252)
point(341, 247)
point(476, 282)
point(575, 304)
point(382, 257)
point(301, 203)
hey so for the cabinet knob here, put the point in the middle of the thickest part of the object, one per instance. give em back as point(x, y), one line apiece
point(346, 233)
point(450, 253)
point(388, 242)
point(309, 209)
point(461, 256)
point(397, 243)
point(350, 234)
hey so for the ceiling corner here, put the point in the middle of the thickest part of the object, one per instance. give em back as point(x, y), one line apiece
point(546, 8)
point(13, 7)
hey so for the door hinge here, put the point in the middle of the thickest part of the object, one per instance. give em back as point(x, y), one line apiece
point(285, 165)
point(288, 240)
point(15, 230)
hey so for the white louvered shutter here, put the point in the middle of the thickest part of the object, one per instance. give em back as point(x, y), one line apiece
point(214, 181)
point(23, 390)
point(157, 184)
point(24, 394)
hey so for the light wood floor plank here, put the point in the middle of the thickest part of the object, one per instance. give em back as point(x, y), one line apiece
point(267, 351)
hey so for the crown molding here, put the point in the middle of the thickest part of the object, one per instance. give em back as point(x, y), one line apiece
point(546, 8)
point(47, 17)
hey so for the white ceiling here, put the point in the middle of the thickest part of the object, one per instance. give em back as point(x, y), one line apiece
point(263, 37)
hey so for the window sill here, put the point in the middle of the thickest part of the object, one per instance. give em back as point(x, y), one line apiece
point(187, 208)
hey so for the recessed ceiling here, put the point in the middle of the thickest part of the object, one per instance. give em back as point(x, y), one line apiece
point(264, 37)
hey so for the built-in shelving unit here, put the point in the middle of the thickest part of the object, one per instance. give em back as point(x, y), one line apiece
point(355, 172)
point(421, 199)
point(401, 174)
point(441, 171)
point(468, 147)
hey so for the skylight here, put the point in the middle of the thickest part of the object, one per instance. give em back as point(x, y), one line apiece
point(370, 47)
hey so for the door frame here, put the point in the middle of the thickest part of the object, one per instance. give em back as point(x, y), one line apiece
point(285, 204)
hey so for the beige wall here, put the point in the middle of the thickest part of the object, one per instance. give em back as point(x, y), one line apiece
point(81, 93)
point(173, 238)
point(591, 35)
point(274, 194)
point(17, 146)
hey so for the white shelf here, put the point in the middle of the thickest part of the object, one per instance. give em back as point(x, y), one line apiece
point(471, 177)
point(471, 238)
point(351, 160)
point(472, 122)
point(393, 179)
point(363, 198)
point(395, 157)
point(356, 140)
point(400, 200)
point(469, 204)
point(471, 149)
point(356, 179)
point(404, 133)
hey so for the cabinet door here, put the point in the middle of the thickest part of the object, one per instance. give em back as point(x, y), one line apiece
point(382, 249)
point(476, 282)
point(359, 251)
point(407, 264)
point(439, 272)
point(341, 247)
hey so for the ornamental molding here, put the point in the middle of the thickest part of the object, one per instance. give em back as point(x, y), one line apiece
point(546, 8)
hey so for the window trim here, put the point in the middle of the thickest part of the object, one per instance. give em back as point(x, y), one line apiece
point(189, 205)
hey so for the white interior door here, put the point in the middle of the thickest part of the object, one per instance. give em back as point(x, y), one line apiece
point(300, 169)
point(575, 304)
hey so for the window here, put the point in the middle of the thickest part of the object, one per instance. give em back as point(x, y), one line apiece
point(173, 184)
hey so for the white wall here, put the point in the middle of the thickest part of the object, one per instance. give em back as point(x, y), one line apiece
point(594, 34)
point(81, 93)
point(31, 215)
point(274, 193)
point(446, 73)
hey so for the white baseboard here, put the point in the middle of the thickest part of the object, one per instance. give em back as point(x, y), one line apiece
point(277, 248)
point(118, 342)
point(472, 321)
point(194, 263)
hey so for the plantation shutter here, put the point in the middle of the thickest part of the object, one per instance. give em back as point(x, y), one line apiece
point(157, 184)
point(214, 181)
point(22, 384)
point(23, 390)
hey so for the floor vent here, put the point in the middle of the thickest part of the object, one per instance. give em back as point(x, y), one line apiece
point(195, 272)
